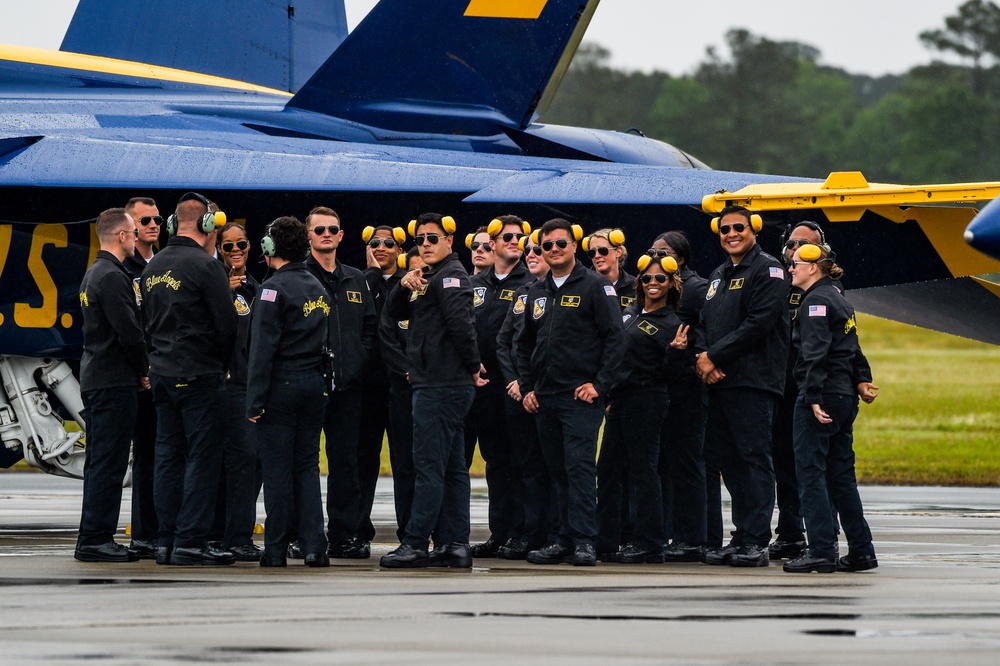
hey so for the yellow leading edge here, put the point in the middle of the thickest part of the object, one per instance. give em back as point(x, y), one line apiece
point(512, 9)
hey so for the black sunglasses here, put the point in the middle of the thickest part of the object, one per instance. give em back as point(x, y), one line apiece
point(649, 277)
point(430, 238)
point(135, 232)
point(388, 242)
point(322, 229)
point(511, 236)
point(475, 245)
point(793, 243)
point(562, 243)
point(657, 254)
point(155, 219)
point(228, 246)
point(592, 252)
point(535, 249)
point(739, 228)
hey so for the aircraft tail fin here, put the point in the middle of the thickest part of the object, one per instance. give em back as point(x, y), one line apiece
point(265, 42)
point(450, 65)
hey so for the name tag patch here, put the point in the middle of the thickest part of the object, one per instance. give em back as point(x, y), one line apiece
point(506, 294)
point(648, 328)
point(736, 283)
point(570, 301)
point(354, 297)
point(627, 301)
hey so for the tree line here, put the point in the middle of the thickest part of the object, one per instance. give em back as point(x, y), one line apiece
point(770, 107)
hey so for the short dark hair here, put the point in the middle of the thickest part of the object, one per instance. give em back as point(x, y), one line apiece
point(382, 227)
point(109, 223)
point(138, 200)
point(738, 210)
point(321, 210)
point(291, 238)
point(430, 218)
point(557, 223)
point(679, 243)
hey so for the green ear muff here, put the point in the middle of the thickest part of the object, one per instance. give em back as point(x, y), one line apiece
point(267, 246)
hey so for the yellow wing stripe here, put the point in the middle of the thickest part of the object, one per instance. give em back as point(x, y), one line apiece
point(88, 63)
point(512, 9)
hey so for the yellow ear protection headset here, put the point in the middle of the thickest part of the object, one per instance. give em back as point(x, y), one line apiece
point(207, 223)
point(814, 253)
point(401, 262)
point(447, 223)
point(398, 235)
point(496, 226)
point(809, 224)
point(616, 237)
point(756, 223)
point(267, 245)
point(536, 239)
point(668, 264)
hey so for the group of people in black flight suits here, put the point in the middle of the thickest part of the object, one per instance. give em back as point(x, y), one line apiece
point(743, 377)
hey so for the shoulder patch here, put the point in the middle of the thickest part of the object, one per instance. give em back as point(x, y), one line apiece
point(522, 301)
point(451, 283)
point(712, 288)
point(626, 317)
point(242, 307)
point(851, 324)
point(776, 272)
point(478, 296)
point(539, 308)
point(403, 324)
point(268, 295)
point(84, 301)
point(138, 291)
point(817, 310)
point(609, 290)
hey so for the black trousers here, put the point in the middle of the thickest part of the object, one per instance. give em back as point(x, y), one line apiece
point(531, 474)
point(401, 451)
point(489, 416)
point(790, 525)
point(343, 485)
point(240, 481)
point(145, 524)
point(682, 463)
point(372, 432)
point(110, 414)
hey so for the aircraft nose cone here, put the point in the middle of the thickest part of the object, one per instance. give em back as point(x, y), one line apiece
point(983, 233)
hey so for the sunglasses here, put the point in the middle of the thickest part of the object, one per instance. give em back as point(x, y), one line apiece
point(739, 228)
point(657, 254)
point(322, 229)
point(562, 244)
point(388, 242)
point(793, 243)
point(536, 250)
point(593, 252)
point(430, 238)
point(793, 264)
point(485, 245)
point(510, 236)
point(649, 277)
point(135, 232)
point(228, 246)
point(155, 219)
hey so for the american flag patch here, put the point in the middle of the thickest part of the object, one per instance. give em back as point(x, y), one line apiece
point(448, 283)
point(777, 273)
point(609, 290)
point(817, 310)
point(268, 295)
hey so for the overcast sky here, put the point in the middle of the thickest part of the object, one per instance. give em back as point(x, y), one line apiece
point(862, 36)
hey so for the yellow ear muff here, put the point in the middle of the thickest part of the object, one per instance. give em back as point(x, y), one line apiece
point(616, 238)
point(401, 261)
point(412, 227)
point(494, 228)
point(810, 252)
point(536, 237)
point(521, 242)
point(643, 262)
point(448, 222)
point(398, 235)
point(220, 220)
point(367, 233)
point(715, 225)
point(586, 244)
point(577, 232)
point(668, 264)
point(468, 240)
point(756, 222)
point(525, 227)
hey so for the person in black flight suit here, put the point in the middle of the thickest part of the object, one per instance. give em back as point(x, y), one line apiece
point(444, 369)
point(145, 526)
point(682, 440)
point(743, 341)
point(655, 340)
point(190, 332)
point(493, 295)
point(825, 334)
point(569, 353)
point(352, 336)
point(113, 366)
point(286, 394)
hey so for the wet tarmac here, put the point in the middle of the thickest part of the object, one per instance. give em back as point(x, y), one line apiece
point(935, 599)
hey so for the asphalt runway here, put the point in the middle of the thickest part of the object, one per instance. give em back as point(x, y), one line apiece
point(935, 599)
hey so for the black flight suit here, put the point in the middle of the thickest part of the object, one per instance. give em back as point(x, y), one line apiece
point(572, 335)
point(190, 324)
point(285, 387)
point(745, 329)
point(492, 299)
point(352, 336)
point(114, 358)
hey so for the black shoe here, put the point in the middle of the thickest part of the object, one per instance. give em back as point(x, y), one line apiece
point(350, 549)
point(850, 563)
point(609, 555)
point(780, 549)
point(808, 563)
point(201, 557)
point(247, 552)
point(105, 552)
point(266, 561)
point(583, 555)
point(487, 548)
point(317, 560)
point(163, 554)
point(295, 551)
point(146, 549)
point(514, 549)
point(683, 552)
point(719, 556)
point(405, 557)
point(750, 555)
point(454, 555)
point(553, 553)
point(632, 554)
